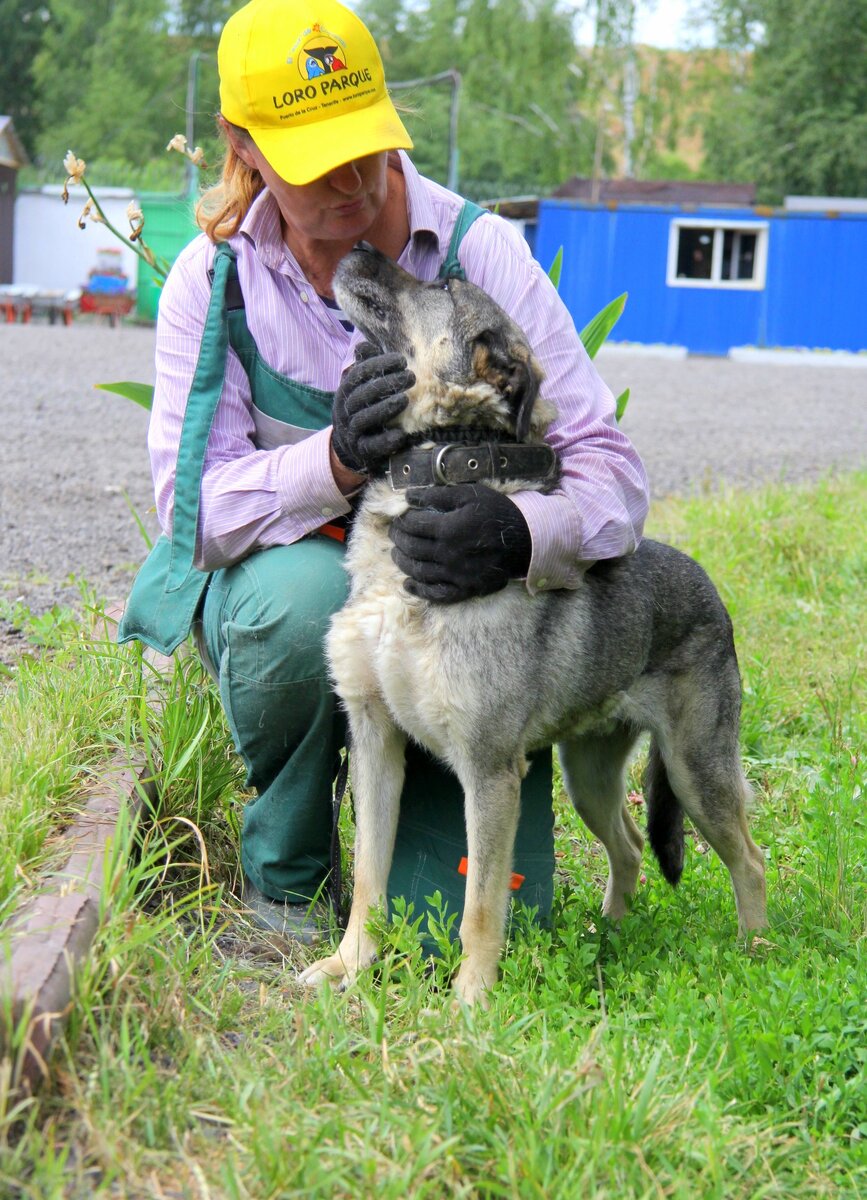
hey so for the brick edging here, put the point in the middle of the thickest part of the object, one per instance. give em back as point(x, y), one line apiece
point(54, 930)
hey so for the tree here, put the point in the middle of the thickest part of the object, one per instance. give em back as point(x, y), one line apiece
point(110, 82)
point(202, 18)
point(521, 124)
point(795, 120)
point(22, 24)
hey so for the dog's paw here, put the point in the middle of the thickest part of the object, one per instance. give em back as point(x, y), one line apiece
point(471, 987)
point(327, 970)
point(341, 969)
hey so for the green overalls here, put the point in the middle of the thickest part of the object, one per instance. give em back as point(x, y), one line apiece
point(263, 622)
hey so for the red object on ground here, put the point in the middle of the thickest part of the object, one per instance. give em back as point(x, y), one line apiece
point(107, 304)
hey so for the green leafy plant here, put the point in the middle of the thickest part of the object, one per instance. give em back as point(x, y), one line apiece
point(47, 630)
point(141, 393)
point(597, 330)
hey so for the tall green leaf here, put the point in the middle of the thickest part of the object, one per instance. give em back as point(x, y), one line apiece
point(556, 268)
point(620, 405)
point(596, 331)
point(142, 393)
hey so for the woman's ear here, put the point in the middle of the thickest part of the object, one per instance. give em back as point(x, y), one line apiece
point(241, 142)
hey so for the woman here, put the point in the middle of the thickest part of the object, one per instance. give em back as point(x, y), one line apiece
point(266, 424)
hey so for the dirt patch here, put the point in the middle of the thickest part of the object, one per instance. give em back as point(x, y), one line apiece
point(12, 644)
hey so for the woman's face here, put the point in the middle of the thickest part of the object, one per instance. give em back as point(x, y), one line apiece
point(340, 206)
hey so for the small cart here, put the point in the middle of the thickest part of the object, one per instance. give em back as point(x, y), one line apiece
point(113, 305)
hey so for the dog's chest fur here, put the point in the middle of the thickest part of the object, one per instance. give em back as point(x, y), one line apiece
point(382, 644)
point(385, 645)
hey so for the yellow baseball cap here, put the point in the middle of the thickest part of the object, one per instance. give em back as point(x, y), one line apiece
point(305, 79)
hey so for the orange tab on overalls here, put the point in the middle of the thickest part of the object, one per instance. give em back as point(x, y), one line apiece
point(515, 880)
point(338, 532)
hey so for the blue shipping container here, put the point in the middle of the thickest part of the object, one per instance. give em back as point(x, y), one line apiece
point(713, 278)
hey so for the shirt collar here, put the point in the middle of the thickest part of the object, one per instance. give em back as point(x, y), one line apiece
point(261, 227)
point(423, 224)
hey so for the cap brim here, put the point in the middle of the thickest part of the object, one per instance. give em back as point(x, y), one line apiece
point(305, 152)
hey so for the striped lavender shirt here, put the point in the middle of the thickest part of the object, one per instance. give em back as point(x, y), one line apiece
point(257, 497)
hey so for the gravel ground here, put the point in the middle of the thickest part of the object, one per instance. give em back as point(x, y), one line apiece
point(70, 455)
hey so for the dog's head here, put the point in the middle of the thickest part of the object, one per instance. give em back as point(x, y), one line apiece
point(473, 365)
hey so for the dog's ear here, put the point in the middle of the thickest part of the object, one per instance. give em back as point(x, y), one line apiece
point(511, 369)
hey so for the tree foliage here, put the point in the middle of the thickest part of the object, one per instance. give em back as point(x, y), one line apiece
point(22, 25)
point(794, 120)
point(202, 18)
point(522, 125)
point(105, 82)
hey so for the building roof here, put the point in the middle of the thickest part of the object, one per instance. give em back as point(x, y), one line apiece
point(12, 153)
point(656, 191)
point(683, 192)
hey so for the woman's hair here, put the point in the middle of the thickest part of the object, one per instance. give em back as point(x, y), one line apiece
point(223, 207)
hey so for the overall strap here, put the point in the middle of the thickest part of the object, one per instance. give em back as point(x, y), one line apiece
point(451, 268)
point(240, 337)
point(202, 403)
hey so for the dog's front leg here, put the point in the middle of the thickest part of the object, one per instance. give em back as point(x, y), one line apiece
point(493, 801)
point(377, 759)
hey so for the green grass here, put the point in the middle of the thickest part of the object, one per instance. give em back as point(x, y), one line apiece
point(661, 1058)
point(82, 698)
point(55, 724)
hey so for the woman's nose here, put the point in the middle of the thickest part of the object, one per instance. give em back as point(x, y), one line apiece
point(345, 178)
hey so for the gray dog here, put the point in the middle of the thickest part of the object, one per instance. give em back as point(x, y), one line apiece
point(644, 644)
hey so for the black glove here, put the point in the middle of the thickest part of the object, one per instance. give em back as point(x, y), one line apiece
point(460, 541)
point(371, 394)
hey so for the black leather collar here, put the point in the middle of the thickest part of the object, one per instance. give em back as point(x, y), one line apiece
point(479, 462)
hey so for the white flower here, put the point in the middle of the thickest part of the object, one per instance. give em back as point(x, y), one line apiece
point(179, 143)
point(135, 216)
point(197, 158)
point(74, 167)
point(91, 212)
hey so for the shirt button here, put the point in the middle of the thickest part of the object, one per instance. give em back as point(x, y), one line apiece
point(304, 297)
point(541, 583)
point(328, 512)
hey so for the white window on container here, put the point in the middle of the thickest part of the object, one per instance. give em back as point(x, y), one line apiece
point(717, 254)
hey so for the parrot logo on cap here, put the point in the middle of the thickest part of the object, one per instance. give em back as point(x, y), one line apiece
point(320, 55)
point(322, 60)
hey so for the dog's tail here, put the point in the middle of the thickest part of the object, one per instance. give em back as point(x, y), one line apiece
point(664, 817)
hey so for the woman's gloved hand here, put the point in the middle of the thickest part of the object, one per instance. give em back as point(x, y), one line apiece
point(371, 394)
point(460, 541)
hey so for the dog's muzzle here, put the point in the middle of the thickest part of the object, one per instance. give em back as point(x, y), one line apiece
point(485, 462)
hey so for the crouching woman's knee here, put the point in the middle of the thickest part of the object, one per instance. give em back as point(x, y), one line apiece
point(265, 618)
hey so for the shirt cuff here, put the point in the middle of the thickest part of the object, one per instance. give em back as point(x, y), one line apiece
point(555, 529)
point(306, 487)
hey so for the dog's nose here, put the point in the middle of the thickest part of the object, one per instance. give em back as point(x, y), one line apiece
point(365, 246)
